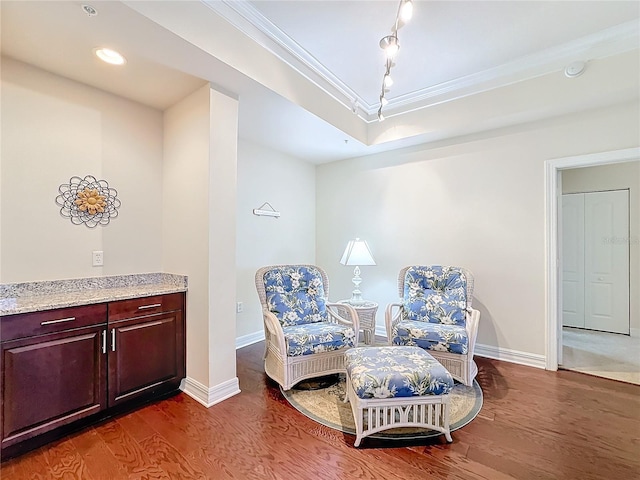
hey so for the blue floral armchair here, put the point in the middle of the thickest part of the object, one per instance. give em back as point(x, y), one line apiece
point(435, 313)
point(305, 335)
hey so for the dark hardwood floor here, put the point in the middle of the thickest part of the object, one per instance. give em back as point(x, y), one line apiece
point(534, 424)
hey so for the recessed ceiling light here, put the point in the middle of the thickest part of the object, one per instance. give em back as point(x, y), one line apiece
point(110, 56)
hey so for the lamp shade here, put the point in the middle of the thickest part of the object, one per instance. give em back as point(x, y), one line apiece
point(357, 253)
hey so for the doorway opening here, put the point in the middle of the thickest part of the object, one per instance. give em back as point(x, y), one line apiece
point(594, 249)
point(595, 258)
point(554, 328)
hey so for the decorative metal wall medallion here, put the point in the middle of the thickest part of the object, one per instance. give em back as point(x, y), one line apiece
point(87, 200)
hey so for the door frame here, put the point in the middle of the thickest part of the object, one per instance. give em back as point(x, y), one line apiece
point(553, 271)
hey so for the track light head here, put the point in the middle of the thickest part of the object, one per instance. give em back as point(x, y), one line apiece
point(406, 11)
point(390, 45)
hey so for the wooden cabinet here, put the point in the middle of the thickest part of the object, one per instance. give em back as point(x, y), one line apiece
point(146, 353)
point(53, 370)
point(59, 367)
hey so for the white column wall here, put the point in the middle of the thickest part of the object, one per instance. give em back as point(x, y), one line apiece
point(223, 154)
point(185, 217)
point(199, 233)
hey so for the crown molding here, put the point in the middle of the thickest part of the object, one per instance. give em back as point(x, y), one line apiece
point(258, 28)
point(242, 15)
point(605, 43)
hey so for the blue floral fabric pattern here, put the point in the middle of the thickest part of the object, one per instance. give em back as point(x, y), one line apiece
point(435, 294)
point(387, 372)
point(430, 336)
point(295, 295)
point(317, 337)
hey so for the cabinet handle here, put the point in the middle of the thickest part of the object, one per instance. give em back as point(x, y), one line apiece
point(50, 322)
point(149, 306)
point(104, 341)
point(113, 340)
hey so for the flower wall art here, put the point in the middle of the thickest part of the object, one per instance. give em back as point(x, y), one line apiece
point(88, 201)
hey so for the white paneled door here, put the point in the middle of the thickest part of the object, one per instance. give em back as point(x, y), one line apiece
point(573, 260)
point(595, 254)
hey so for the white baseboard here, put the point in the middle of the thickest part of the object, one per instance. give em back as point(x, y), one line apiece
point(513, 356)
point(489, 351)
point(210, 396)
point(250, 339)
point(498, 353)
point(381, 331)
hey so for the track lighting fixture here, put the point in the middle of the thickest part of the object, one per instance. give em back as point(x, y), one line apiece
point(406, 11)
point(390, 45)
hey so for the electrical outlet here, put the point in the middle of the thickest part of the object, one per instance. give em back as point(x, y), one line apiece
point(98, 258)
point(239, 307)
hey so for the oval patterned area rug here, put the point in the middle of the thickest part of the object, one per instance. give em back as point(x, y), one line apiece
point(321, 400)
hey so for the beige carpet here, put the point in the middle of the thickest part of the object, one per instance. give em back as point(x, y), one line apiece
point(325, 406)
point(608, 355)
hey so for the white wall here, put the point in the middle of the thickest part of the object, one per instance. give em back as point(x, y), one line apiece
point(476, 201)
point(175, 175)
point(615, 177)
point(54, 128)
point(288, 184)
point(223, 161)
point(199, 231)
point(185, 212)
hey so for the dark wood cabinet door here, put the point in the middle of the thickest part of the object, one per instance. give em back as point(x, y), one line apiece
point(146, 356)
point(51, 380)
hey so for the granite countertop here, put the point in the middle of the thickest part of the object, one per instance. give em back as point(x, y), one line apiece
point(47, 295)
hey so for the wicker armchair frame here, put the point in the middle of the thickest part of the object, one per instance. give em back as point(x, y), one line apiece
point(288, 371)
point(461, 367)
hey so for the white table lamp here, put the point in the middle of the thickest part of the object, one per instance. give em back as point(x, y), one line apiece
point(357, 253)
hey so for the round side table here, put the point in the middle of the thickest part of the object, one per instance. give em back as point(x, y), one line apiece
point(367, 316)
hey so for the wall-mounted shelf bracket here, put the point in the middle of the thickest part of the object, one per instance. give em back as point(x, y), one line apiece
point(261, 211)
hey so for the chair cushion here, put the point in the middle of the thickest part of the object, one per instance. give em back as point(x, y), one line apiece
point(435, 294)
point(386, 372)
point(431, 336)
point(295, 295)
point(317, 337)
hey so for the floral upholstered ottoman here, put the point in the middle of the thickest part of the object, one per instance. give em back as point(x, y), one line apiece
point(393, 387)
